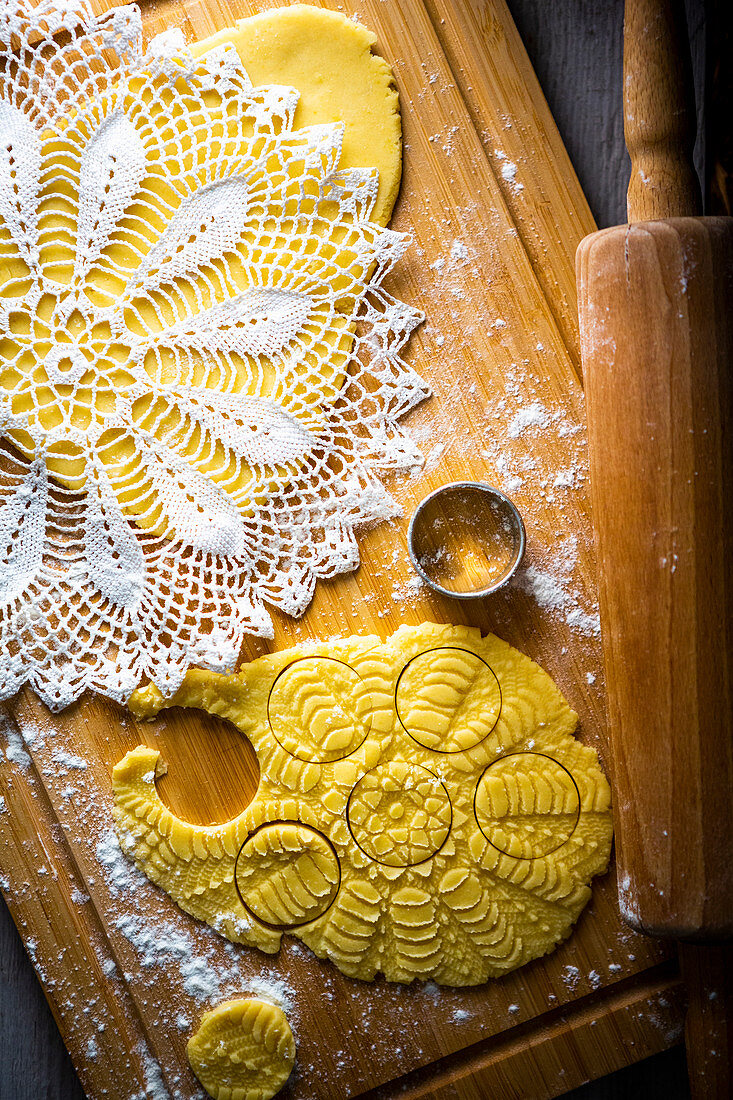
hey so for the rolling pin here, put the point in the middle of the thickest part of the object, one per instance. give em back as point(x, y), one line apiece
point(656, 321)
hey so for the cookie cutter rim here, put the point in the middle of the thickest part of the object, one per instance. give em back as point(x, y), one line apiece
point(509, 508)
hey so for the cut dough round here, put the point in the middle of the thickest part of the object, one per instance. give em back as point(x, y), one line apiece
point(399, 814)
point(448, 699)
point(527, 804)
point(287, 874)
point(243, 1050)
point(318, 710)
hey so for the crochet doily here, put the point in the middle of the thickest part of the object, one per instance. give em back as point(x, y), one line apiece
point(423, 808)
point(200, 372)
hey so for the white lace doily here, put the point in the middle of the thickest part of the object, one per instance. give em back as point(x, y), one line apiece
point(200, 372)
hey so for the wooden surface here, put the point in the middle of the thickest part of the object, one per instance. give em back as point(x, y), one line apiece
point(656, 302)
point(708, 976)
point(21, 1079)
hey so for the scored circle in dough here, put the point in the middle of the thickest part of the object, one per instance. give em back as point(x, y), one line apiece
point(243, 1050)
point(454, 865)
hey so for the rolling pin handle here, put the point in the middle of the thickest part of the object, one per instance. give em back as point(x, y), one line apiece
point(659, 112)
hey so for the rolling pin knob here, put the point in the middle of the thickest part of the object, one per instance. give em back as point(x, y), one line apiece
point(659, 112)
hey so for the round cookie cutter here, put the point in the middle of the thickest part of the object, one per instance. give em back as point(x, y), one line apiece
point(479, 506)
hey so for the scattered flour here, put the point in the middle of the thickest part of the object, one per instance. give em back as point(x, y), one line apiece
point(272, 988)
point(199, 979)
point(109, 968)
point(408, 590)
point(433, 457)
point(432, 990)
point(529, 416)
point(508, 170)
point(15, 751)
point(68, 762)
point(552, 592)
point(120, 873)
point(155, 1088)
point(511, 482)
point(571, 976)
point(164, 943)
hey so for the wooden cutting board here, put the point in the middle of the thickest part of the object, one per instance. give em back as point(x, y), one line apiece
point(496, 213)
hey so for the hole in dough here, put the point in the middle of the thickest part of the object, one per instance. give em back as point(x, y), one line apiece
point(209, 785)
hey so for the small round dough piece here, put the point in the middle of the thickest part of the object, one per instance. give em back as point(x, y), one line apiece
point(243, 1050)
point(328, 59)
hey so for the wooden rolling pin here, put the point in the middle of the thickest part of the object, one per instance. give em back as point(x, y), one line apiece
point(656, 317)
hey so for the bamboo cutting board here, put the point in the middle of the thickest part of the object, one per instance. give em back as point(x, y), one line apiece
point(496, 213)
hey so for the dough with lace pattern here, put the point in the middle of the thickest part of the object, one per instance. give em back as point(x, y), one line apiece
point(243, 1050)
point(423, 811)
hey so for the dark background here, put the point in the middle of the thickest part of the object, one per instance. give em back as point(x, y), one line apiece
point(576, 49)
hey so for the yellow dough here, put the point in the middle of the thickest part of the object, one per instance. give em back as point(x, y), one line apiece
point(423, 811)
point(243, 1050)
point(329, 59)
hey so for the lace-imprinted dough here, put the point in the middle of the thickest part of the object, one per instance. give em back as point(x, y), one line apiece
point(423, 809)
point(243, 1050)
point(287, 874)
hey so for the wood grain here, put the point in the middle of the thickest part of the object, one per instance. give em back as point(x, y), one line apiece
point(542, 1064)
point(655, 302)
point(708, 976)
point(484, 375)
point(659, 112)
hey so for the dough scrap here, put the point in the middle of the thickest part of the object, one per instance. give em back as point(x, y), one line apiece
point(243, 1050)
point(463, 852)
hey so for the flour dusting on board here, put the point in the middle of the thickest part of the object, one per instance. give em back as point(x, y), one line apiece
point(165, 943)
point(509, 171)
point(12, 743)
point(155, 1088)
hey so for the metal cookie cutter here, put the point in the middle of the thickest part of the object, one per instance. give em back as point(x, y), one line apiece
point(466, 539)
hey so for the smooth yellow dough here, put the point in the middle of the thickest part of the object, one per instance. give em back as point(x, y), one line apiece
point(243, 1050)
point(457, 853)
point(329, 59)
